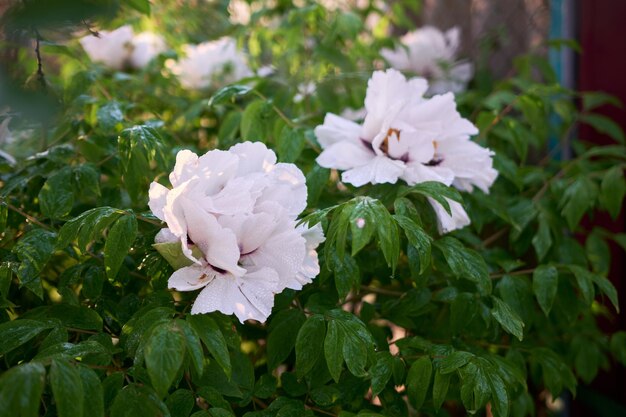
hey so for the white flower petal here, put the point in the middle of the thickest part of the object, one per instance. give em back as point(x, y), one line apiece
point(471, 163)
point(284, 253)
point(145, 47)
point(253, 157)
point(337, 129)
point(219, 245)
point(311, 267)
point(158, 199)
point(250, 297)
point(417, 172)
point(287, 187)
point(186, 164)
point(447, 223)
point(345, 155)
point(191, 278)
point(165, 235)
point(251, 230)
point(379, 170)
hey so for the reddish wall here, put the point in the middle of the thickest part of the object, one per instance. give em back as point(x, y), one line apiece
point(602, 67)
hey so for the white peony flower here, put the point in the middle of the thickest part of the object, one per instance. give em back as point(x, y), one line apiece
point(145, 47)
point(121, 48)
point(430, 53)
point(209, 60)
point(111, 49)
point(239, 209)
point(406, 136)
point(304, 90)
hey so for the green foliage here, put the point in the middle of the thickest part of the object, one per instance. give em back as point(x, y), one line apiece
point(487, 316)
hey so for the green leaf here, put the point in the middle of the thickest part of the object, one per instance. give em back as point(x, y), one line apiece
point(612, 191)
point(333, 349)
point(142, 6)
point(598, 253)
point(138, 401)
point(584, 281)
point(67, 387)
point(282, 335)
point(87, 179)
point(173, 254)
point(545, 285)
point(440, 388)
point(255, 121)
point(607, 288)
point(418, 381)
point(594, 99)
point(119, 241)
point(362, 224)
point(437, 191)
point(381, 372)
point(110, 115)
point(604, 125)
point(194, 348)
point(316, 181)
point(454, 361)
point(180, 403)
point(577, 199)
point(213, 339)
point(508, 319)
point(418, 238)
point(229, 93)
point(20, 390)
point(56, 197)
point(290, 144)
point(138, 146)
point(499, 396)
point(34, 250)
point(17, 332)
point(93, 402)
point(465, 263)
point(80, 317)
point(164, 354)
point(542, 241)
point(347, 274)
point(87, 226)
point(310, 344)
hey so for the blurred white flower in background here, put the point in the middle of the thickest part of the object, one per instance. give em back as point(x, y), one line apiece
point(239, 12)
point(233, 213)
point(431, 53)
point(304, 90)
point(145, 47)
point(110, 49)
point(407, 136)
point(121, 48)
point(208, 61)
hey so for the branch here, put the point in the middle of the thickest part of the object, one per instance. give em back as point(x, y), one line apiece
point(40, 75)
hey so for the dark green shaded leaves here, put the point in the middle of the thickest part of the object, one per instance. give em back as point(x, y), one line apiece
point(542, 241)
point(584, 281)
point(438, 192)
point(310, 344)
point(180, 403)
point(418, 238)
point(441, 384)
point(229, 93)
point(604, 125)
point(110, 115)
point(164, 354)
point(93, 403)
point(612, 190)
point(290, 144)
point(56, 197)
point(17, 332)
point(283, 333)
point(67, 387)
point(138, 401)
point(333, 345)
point(213, 339)
point(34, 250)
point(194, 348)
point(545, 285)
point(418, 381)
point(381, 372)
point(119, 241)
point(465, 263)
point(577, 199)
point(20, 390)
point(454, 361)
point(507, 318)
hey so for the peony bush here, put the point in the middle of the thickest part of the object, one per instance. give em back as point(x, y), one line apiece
point(291, 212)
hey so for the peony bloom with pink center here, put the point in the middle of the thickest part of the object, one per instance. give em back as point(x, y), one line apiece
point(405, 136)
point(234, 215)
